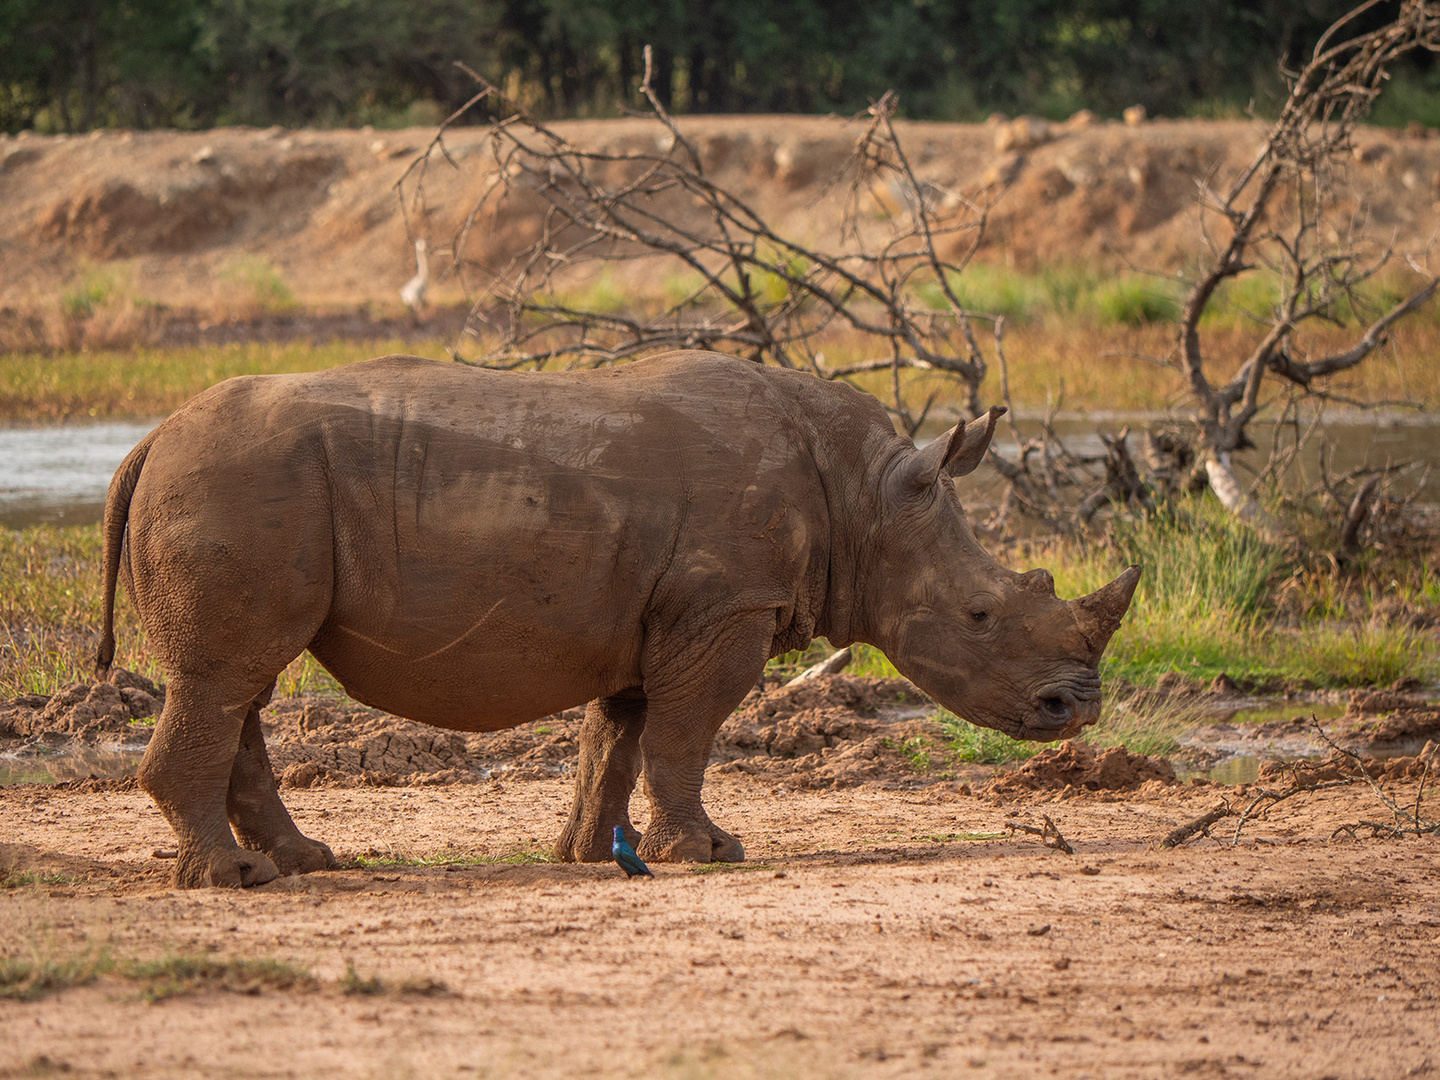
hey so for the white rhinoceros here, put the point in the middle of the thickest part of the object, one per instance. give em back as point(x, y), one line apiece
point(475, 549)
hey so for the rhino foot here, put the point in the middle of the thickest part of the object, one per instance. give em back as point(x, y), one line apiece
point(300, 855)
point(702, 843)
point(227, 868)
point(582, 844)
point(724, 847)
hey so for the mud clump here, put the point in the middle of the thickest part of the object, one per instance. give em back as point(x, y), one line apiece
point(314, 743)
point(84, 711)
point(1379, 719)
point(834, 731)
point(828, 732)
point(1078, 767)
point(1340, 766)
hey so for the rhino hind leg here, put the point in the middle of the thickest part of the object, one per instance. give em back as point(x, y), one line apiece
point(257, 816)
point(605, 778)
point(691, 692)
point(186, 770)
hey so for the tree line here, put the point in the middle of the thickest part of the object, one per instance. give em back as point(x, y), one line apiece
point(73, 65)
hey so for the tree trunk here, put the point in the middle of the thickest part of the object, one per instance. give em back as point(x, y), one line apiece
point(1235, 499)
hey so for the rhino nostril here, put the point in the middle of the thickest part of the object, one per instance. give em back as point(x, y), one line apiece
point(1056, 707)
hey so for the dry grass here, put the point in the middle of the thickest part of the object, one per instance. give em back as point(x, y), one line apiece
point(1072, 362)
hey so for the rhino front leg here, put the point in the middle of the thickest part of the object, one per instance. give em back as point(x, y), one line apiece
point(690, 696)
point(256, 813)
point(609, 766)
point(186, 770)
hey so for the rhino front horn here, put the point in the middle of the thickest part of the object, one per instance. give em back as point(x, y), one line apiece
point(1100, 613)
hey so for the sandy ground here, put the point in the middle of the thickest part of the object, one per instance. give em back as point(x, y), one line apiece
point(871, 934)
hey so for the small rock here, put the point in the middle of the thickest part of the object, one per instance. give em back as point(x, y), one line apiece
point(1022, 133)
point(303, 774)
point(1003, 171)
point(140, 703)
point(1224, 686)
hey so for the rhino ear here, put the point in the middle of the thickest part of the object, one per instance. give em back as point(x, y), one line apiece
point(957, 452)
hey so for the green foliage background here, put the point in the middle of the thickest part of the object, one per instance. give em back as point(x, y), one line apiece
point(71, 65)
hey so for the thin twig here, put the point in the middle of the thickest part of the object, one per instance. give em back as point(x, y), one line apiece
point(1177, 836)
point(1049, 834)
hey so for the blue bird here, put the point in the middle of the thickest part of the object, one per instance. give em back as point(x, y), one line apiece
point(626, 857)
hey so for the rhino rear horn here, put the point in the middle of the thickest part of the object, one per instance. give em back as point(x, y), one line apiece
point(1100, 613)
point(958, 451)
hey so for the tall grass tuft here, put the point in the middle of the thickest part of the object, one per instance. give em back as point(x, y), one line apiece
point(1200, 603)
point(1134, 300)
point(51, 605)
point(1206, 604)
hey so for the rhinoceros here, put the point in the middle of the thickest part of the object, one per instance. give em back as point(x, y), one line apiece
point(475, 549)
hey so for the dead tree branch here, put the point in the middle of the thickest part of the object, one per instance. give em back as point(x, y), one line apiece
point(1177, 836)
point(1282, 215)
point(755, 291)
point(1403, 821)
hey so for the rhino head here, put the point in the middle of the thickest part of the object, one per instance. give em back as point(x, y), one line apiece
point(997, 648)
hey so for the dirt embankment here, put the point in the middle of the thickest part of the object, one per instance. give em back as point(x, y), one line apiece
point(828, 733)
point(166, 234)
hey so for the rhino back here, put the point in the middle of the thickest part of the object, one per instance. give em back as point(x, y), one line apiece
point(502, 544)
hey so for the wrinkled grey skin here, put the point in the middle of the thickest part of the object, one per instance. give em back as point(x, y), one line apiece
point(476, 549)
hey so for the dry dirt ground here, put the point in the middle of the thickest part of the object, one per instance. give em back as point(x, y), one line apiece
point(886, 924)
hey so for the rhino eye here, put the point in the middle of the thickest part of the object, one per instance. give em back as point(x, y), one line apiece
point(979, 616)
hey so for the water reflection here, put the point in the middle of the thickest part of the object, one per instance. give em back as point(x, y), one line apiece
point(60, 474)
point(36, 764)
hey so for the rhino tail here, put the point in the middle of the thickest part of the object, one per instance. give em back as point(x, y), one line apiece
point(117, 517)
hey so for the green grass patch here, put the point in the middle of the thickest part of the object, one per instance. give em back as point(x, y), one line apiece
point(982, 746)
point(161, 979)
point(261, 288)
point(1142, 729)
point(1134, 300)
point(173, 976)
point(1062, 292)
point(51, 609)
point(729, 868)
point(29, 980)
point(90, 292)
point(1362, 655)
point(961, 837)
point(112, 383)
point(29, 879)
point(353, 983)
point(1206, 604)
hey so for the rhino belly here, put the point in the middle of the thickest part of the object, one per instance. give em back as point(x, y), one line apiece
point(467, 686)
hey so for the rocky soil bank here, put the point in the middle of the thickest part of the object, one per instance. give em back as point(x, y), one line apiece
point(156, 234)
